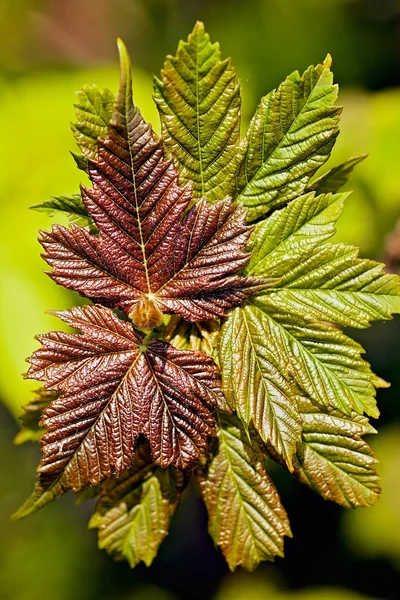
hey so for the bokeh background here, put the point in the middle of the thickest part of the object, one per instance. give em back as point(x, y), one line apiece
point(49, 49)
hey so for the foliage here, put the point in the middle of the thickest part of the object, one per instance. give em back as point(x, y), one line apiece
point(246, 285)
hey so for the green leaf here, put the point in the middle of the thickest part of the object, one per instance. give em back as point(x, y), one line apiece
point(198, 98)
point(334, 460)
point(133, 512)
point(93, 113)
point(290, 137)
point(334, 179)
point(322, 361)
point(72, 206)
point(253, 375)
point(283, 240)
point(314, 280)
point(246, 518)
point(333, 284)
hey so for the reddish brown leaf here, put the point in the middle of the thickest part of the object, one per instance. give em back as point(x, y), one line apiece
point(151, 256)
point(114, 386)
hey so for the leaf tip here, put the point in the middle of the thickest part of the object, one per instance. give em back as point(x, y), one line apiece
point(328, 61)
point(125, 64)
point(199, 28)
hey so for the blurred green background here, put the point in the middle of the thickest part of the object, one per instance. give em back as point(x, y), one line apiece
point(49, 49)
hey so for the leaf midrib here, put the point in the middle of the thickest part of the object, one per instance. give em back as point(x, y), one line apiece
point(278, 146)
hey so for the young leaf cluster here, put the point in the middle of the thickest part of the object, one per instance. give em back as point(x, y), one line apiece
point(214, 340)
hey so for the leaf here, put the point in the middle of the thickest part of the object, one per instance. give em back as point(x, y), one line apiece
point(93, 113)
point(246, 518)
point(334, 460)
point(31, 429)
point(133, 512)
point(72, 206)
point(333, 284)
point(149, 259)
point(322, 361)
point(290, 137)
point(314, 280)
point(334, 179)
point(289, 235)
point(116, 386)
point(253, 375)
point(198, 98)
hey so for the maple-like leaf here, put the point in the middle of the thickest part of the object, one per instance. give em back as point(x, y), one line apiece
point(198, 98)
point(149, 258)
point(290, 137)
point(334, 460)
point(115, 386)
point(315, 280)
point(283, 342)
point(124, 414)
point(134, 511)
point(246, 517)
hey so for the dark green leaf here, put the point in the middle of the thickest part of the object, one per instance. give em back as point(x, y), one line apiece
point(72, 206)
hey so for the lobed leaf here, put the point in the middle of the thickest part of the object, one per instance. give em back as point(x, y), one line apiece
point(332, 284)
point(322, 361)
point(115, 386)
point(253, 376)
point(315, 280)
point(289, 235)
point(334, 179)
point(334, 460)
point(133, 512)
point(148, 259)
point(246, 518)
point(290, 137)
point(198, 98)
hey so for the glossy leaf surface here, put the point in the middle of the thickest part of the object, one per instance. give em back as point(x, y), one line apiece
point(149, 259)
point(334, 459)
point(114, 387)
point(133, 512)
point(290, 137)
point(319, 281)
point(246, 518)
point(198, 98)
point(253, 361)
point(93, 114)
